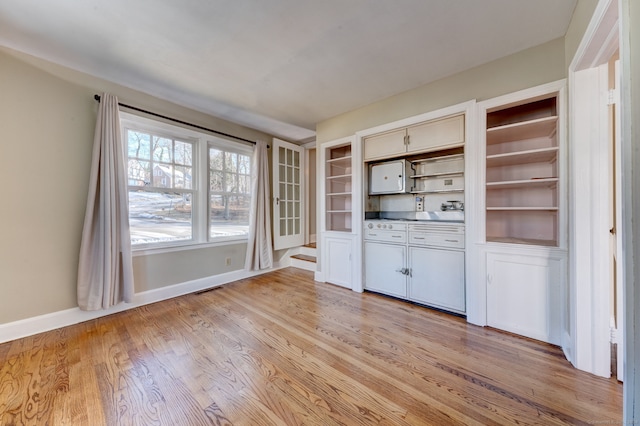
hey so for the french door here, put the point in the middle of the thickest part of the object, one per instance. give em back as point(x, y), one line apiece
point(288, 209)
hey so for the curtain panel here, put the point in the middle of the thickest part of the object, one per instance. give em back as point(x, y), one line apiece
point(259, 245)
point(105, 272)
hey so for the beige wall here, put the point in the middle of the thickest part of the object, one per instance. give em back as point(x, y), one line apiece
point(531, 67)
point(47, 119)
point(578, 25)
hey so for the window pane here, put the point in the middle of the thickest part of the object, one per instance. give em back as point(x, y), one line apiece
point(139, 173)
point(216, 159)
point(162, 176)
point(229, 216)
point(230, 182)
point(244, 165)
point(138, 145)
point(156, 217)
point(162, 149)
point(183, 153)
point(244, 184)
point(182, 177)
point(231, 161)
point(216, 181)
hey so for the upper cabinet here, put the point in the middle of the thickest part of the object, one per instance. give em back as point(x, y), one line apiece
point(523, 172)
point(423, 137)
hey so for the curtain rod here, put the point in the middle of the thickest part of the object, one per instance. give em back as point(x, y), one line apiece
point(175, 120)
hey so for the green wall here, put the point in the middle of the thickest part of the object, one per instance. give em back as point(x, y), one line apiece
point(47, 122)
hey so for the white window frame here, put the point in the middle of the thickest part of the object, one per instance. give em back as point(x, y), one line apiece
point(200, 180)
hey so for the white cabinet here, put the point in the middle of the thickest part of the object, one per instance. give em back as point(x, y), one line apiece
point(338, 259)
point(383, 264)
point(524, 294)
point(423, 137)
point(437, 278)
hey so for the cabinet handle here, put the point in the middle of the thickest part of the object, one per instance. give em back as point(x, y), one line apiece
point(489, 278)
point(418, 238)
point(452, 241)
point(396, 236)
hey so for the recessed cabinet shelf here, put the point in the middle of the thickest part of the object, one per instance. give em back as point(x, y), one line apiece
point(539, 128)
point(438, 175)
point(523, 184)
point(541, 155)
point(338, 189)
point(522, 173)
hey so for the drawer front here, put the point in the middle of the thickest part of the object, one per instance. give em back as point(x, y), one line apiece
point(436, 240)
point(399, 237)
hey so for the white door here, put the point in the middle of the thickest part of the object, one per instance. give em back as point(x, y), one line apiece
point(288, 209)
point(338, 261)
point(437, 278)
point(617, 271)
point(382, 267)
point(523, 294)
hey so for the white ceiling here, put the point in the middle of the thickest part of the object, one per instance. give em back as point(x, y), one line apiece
point(280, 66)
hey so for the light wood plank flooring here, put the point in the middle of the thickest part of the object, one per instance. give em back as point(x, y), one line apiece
point(281, 349)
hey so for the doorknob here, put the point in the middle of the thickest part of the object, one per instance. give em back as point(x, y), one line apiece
point(612, 231)
point(277, 200)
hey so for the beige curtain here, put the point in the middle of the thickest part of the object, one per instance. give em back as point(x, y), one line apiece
point(259, 247)
point(105, 273)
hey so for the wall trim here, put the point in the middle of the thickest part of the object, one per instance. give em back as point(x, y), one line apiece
point(51, 321)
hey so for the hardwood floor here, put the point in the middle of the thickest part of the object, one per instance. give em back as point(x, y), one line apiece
point(281, 349)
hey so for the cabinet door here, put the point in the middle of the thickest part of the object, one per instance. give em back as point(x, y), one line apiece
point(437, 278)
point(385, 145)
point(445, 133)
point(523, 293)
point(382, 263)
point(338, 261)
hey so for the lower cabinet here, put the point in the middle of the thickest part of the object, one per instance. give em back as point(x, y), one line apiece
point(525, 294)
point(337, 261)
point(431, 276)
point(383, 265)
point(437, 278)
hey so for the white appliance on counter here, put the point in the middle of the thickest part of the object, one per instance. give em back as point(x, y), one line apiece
point(389, 177)
point(421, 261)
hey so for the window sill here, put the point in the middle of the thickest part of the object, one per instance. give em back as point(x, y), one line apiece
point(146, 251)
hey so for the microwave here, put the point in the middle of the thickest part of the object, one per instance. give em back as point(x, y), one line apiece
point(389, 177)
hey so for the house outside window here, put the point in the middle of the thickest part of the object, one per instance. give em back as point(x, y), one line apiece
point(185, 187)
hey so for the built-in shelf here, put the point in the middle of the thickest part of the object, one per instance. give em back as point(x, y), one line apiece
point(338, 167)
point(522, 170)
point(439, 191)
point(529, 241)
point(528, 183)
point(436, 175)
point(541, 155)
point(438, 159)
point(538, 128)
point(522, 208)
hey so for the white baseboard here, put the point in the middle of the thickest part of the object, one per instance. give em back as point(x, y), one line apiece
point(30, 326)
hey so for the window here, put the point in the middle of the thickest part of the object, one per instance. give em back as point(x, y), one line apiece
point(185, 187)
point(229, 192)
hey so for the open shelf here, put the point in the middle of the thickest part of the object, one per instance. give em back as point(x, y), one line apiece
point(522, 209)
point(338, 167)
point(436, 175)
point(539, 128)
point(529, 183)
point(439, 191)
point(528, 241)
point(522, 170)
point(542, 155)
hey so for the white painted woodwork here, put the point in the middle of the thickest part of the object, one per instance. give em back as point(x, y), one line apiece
point(339, 218)
point(437, 278)
point(388, 144)
point(288, 200)
point(338, 260)
point(523, 294)
point(522, 217)
point(423, 137)
point(438, 134)
point(382, 263)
